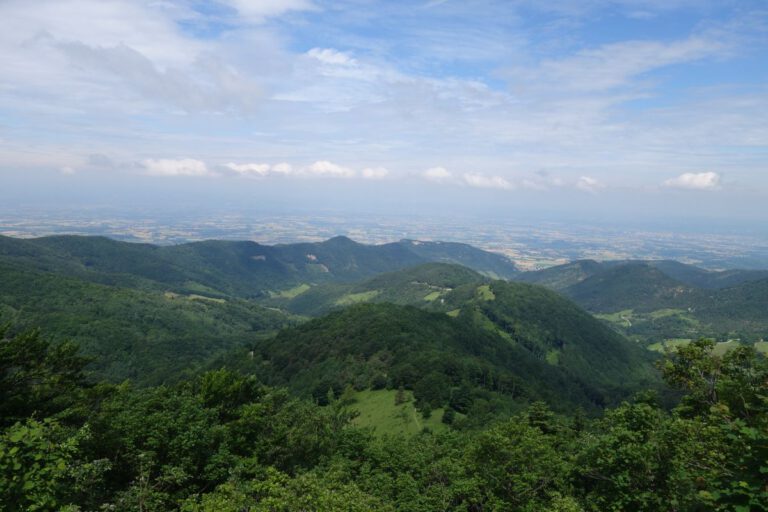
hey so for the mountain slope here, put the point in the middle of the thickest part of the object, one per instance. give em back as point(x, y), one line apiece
point(563, 276)
point(417, 286)
point(629, 286)
point(487, 263)
point(244, 269)
point(526, 343)
point(144, 335)
point(554, 329)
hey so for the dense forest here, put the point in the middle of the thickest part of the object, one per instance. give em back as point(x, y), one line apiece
point(223, 441)
point(200, 378)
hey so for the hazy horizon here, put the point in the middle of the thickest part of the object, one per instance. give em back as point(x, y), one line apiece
point(607, 112)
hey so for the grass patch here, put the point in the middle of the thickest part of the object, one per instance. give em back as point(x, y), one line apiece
point(356, 298)
point(484, 292)
point(432, 296)
point(621, 318)
point(762, 346)
point(723, 347)
point(194, 286)
point(203, 298)
point(661, 313)
point(669, 344)
point(378, 410)
point(291, 293)
point(454, 313)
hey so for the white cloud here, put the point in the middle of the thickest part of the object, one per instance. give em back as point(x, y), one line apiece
point(258, 10)
point(613, 65)
point(331, 56)
point(374, 173)
point(483, 181)
point(695, 181)
point(181, 167)
point(438, 174)
point(249, 169)
point(282, 168)
point(588, 184)
point(67, 170)
point(326, 168)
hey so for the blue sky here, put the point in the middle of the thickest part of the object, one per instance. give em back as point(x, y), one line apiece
point(620, 107)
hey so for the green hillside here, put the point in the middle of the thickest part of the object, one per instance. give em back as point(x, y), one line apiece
point(419, 286)
point(555, 330)
point(146, 336)
point(664, 300)
point(371, 346)
point(244, 269)
point(561, 277)
point(633, 286)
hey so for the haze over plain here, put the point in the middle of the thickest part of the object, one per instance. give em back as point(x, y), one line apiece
point(633, 110)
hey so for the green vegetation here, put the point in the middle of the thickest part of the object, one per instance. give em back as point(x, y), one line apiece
point(622, 318)
point(494, 353)
point(670, 344)
point(417, 286)
point(242, 269)
point(143, 335)
point(427, 388)
point(357, 298)
point(291, 293)
point(222, 441)
point(666, 299)
point(484, 292)
point(380, 411)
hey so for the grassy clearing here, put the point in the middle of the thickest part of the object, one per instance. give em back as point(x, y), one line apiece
point(622, 318)
point(378, 410)
point(484, 292)
point(209, 299)
point(661, 313)
point(762, 346)
point(723, 347)
point(454, 313)
point(356, 298)
point(673, 343)
point(174, 296)
point(432, 296)
point(669, 344)
point(194, 286)
point(291, 293)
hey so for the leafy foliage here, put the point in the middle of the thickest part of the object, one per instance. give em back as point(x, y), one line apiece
point(224, 441)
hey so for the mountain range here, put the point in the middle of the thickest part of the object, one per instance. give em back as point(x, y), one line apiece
point(436, 318)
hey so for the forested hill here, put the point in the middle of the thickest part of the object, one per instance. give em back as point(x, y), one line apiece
point(144, 335)
point(500, 342)
point(422, 286)
point(655, 301)
point(561, 277)
point(245, 269)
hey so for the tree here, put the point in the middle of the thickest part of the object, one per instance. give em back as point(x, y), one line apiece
point(37, 377)
point(400, 397)
point(35, 460)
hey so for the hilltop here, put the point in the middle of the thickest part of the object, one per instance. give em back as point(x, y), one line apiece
point(244, 269)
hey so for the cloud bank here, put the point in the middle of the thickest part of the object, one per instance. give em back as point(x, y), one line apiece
point(695, 181)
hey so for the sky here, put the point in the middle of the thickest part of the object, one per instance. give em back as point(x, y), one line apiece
point(602, 109)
